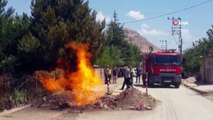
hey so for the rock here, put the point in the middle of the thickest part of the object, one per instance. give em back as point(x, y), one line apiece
point(106, 107)
point(148, 108)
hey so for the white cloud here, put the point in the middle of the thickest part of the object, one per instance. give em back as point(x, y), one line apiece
point(135, 14)
point(101, 17)
point(186, 34)
point(155, 35)
point(145, 26)
point(148, 31)
point(188, 38)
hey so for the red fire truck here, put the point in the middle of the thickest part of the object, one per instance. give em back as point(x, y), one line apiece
point(163, 67)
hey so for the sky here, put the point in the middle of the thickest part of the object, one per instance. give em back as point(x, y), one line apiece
point(197, 19)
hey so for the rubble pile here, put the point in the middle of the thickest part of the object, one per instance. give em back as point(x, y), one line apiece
point(128, 99)
point(58, 100)
point(134, 99)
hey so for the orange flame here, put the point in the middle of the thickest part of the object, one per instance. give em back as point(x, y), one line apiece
point(86, 86)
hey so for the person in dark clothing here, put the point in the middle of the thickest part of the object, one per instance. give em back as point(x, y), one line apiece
point(106, 75)
point(138, 74)
point(127, 79)
point(131, 75)
point(114, 74)
point(144, 77)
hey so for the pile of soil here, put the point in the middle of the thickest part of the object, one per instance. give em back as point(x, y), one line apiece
point(133, 98)
point(128, 99)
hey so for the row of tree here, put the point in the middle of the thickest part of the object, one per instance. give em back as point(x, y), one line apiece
point(29, 43)
point(117, 51)
point(194, 57)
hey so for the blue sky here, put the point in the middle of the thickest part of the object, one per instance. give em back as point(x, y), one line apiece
point(199, 19)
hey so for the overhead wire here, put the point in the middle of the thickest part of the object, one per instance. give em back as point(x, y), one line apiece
point(174, 39)
point(184, 12)
point(169, 13)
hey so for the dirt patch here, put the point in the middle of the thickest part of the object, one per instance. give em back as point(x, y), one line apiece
point(128, 99)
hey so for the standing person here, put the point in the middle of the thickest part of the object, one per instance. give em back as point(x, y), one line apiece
point(131, 75)
point(127, 78)
point(106, 75)
point(114, 74)
point(109, 74)
point(144, 77)
point(138, 74)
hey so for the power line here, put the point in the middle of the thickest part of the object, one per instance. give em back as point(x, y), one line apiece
point(170, 13)
point(174, 39)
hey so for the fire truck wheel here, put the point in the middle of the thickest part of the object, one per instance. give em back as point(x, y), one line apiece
point(177, 85)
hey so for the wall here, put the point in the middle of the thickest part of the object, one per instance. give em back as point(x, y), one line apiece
point(100, 73)
point(208, 69)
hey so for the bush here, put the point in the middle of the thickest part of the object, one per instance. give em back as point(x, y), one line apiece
point(19, 91)
point(5, 92)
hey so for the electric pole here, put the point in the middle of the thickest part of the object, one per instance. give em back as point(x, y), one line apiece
point(177, 30)
point(164, 46)
point(180, 36)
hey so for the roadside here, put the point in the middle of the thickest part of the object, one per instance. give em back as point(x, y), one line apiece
point(173, 104)
point(28, 113)
point(204, 89)
point(6, 112)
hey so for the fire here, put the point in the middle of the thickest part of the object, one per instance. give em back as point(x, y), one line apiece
point(85, 84)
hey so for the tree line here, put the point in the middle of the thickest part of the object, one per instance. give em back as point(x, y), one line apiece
point(194, 56)
point(36, 42)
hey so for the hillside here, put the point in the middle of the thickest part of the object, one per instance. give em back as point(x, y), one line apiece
point(135, 38)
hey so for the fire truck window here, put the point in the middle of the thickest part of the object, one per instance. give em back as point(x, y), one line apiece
point(167, 60)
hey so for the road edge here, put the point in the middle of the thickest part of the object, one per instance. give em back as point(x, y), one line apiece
point(6, 112)
point(195, 89)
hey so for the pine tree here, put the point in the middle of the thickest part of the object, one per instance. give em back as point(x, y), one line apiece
point(58, 22)
point(117, 51)
point(12, 29)
point(115, 34)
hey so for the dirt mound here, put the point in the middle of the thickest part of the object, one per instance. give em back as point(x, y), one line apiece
point(132, 97)
point(128, 99)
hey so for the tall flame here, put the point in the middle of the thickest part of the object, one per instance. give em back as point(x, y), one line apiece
point(85, 84)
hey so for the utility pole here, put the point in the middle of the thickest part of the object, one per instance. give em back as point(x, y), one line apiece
point(164, 46)
point(180, 37)
point(177, 30)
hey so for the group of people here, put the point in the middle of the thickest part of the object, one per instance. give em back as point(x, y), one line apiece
point(112, 74)
point(128, 76)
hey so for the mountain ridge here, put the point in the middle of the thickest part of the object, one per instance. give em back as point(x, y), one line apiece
point(138, 40)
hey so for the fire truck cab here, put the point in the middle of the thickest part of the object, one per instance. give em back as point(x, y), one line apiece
point(163, 67)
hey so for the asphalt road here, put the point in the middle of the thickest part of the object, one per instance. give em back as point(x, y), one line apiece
point(176, 104)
